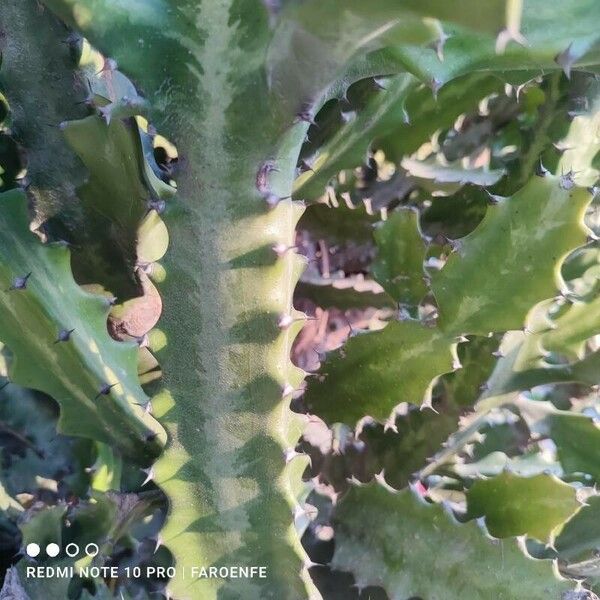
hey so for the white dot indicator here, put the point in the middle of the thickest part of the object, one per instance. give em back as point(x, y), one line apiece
point(32, 550)
point(52, 550)
point(72, 550)
point(92, 550)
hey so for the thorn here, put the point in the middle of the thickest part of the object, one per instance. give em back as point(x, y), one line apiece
point(498, 354)
point(492, 198)
point(159, 543)
point(438, 45)
point(378, 83)
point(560, 147)
point(273, 200)
point(64, 335)
point(24, 183)
point(347, 116)
point(285, 321)
point(143, 341)
point(439, 239)
point(430, 318)
point(280, 249)
point(484, 387)
point(593, 190)
point(72, 39)
point(566, 59)
point(105, 389)
point(148, 408)
point(456, 245)
point(518, 90)
point(105, 112)
point(289, 454)
point(157, 205)
point(541, 171)
point(352, 331)
point(403, 313)
point(89, 101)
point(566, 181)
point(19, 283)
point(306, 117)
point(405, 116)
point(305, 166)
point(262, 176)
point(435, 84)
point(287, 390)
point(321, 356)
point(149, 475)
point(111, 301)
point(506, 36)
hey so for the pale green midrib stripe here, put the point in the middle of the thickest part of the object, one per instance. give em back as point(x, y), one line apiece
point(208, 251)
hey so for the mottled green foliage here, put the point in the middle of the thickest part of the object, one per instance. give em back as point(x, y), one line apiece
point(520, 269)
point(401, 533)
point(401, 253)
point(32, 449)
point(93, 378)
point(236, 85)
point(373, 372)
point(514, 505)
point(577, 439)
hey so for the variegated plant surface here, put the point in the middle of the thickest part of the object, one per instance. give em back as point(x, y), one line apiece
point(179, 177)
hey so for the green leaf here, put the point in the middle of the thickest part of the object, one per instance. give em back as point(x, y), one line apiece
point(577, 440)
point(463, 386)
point(32, 449)
point(549, 45)
point(537, 506)
point(375, 371)
point(348, 147)
point(401, 253)
point(114, 201)
point(428, 113)
point(42, 527)
point(508, 268)
point(388, 539)
point(40, 300)
point(570, 330)
point(399, 118)
point(399, 451)
point(455, 216)
point(580, 537)
point(402, 451)
point(316, 39)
